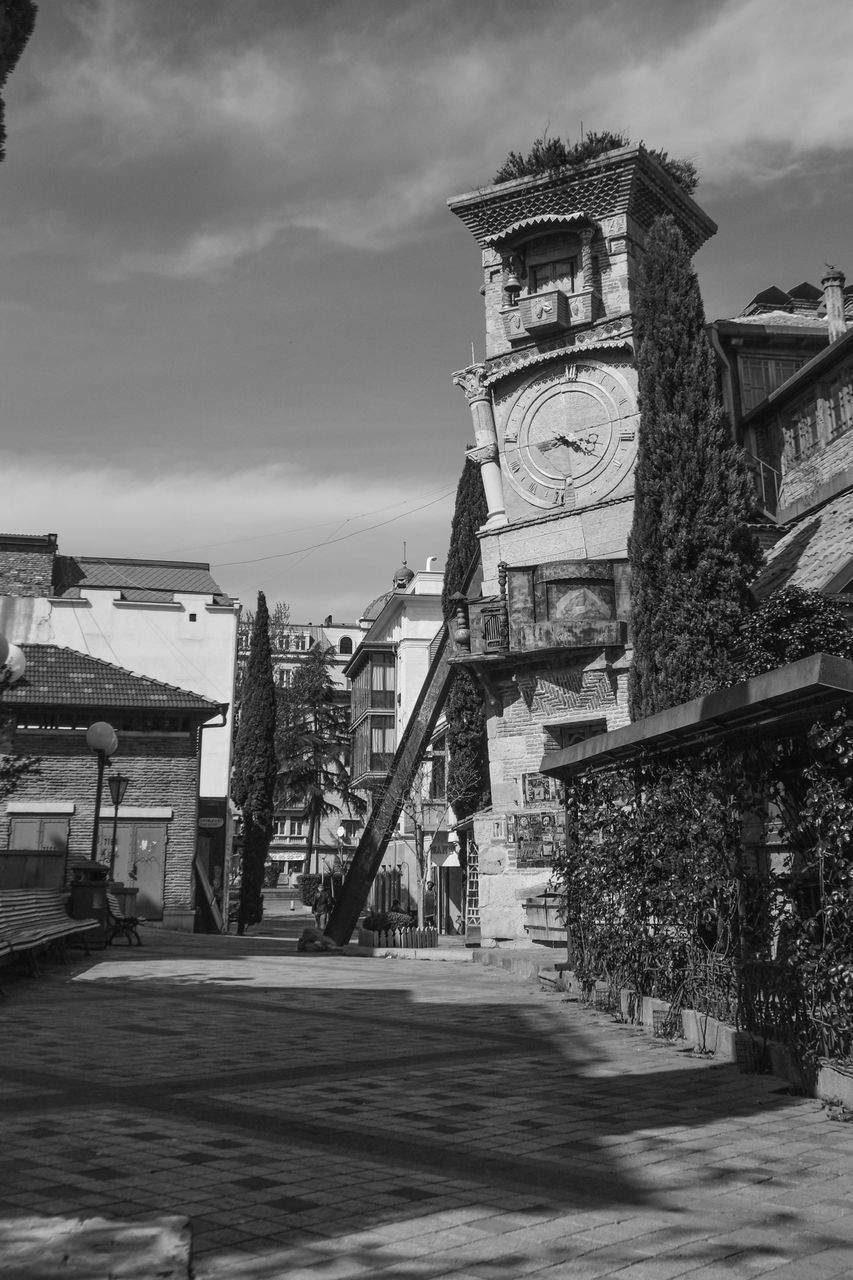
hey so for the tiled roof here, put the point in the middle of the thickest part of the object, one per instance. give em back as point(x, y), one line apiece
point(57, 676)
point(139, 575)
point(790, 319)
point(813, 551)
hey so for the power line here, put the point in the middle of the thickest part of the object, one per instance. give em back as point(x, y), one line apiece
point(280, 555)
point(320, 524)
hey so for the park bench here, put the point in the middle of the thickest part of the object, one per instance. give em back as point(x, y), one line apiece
point(34, 920)
point(120, 925)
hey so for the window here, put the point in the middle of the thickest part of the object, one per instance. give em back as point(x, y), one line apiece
point(438, 772)
point(559, 274)
point(284, 676)
point(839, 405)
point(351, 827)
point(345, 646)
point(762, 374)
point(34, 832)
point(382, 680)
point(569, 735)
point(289, 829)
point(382, 742)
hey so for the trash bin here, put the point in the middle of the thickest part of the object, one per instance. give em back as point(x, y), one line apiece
point(89, 897)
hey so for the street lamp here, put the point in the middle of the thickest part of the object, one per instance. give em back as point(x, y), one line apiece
point(103, 740)
point(118, 785)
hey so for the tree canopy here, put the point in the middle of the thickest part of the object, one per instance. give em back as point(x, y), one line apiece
point(791, 624)
point(691, 551)
point(17, 20)
point(313, 746)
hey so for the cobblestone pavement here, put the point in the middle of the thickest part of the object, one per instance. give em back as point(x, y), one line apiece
point(334, 1117)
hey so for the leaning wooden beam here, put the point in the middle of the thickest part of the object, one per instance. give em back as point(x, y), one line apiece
point(389, 802)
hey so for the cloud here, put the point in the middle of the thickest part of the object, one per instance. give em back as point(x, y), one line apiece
point(205, 255)
point(261, 527)
point(353, 127)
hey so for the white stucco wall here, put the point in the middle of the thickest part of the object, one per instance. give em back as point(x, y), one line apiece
point(158, 641)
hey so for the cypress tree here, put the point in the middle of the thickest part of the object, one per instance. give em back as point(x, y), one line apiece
point(467, 744)
point(17, 20)
point(691, 552)
point(255, 767)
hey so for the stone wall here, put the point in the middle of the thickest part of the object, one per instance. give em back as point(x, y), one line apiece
point(533, 698)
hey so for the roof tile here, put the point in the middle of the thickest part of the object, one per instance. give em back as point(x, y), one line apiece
point(58, 676)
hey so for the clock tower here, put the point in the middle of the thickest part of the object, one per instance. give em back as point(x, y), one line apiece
point(554, 408)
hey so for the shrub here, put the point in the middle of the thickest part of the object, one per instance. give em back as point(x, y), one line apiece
point(791, 624)
point(549, 155)
point(308, 887)
point(385, 921)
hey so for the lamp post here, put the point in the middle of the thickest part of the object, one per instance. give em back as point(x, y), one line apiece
point(118, 785)
point(103, 740)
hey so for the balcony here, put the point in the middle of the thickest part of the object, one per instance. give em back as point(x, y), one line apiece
point(766, 482)
point(540, 315)
point(553, 607)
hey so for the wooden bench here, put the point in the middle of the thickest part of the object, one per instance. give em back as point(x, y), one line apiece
point(120, 925)
point(32, 920)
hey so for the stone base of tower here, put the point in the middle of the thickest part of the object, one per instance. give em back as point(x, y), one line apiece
point(535, 708)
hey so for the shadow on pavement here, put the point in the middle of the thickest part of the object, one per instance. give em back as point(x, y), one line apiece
point(340, 1116)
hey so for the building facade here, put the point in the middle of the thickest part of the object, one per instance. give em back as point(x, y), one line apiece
point(387, 672)
point(165, 619)
point(160, 728)
point(555, 419)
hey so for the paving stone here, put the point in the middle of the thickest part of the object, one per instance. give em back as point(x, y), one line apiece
point(354, 1118)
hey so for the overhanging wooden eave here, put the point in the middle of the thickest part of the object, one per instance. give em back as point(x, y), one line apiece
point(771, 705)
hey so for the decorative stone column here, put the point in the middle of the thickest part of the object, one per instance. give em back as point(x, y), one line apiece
point(485, 452)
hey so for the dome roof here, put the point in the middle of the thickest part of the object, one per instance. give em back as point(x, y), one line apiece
point(402, 577)
point(373, 610)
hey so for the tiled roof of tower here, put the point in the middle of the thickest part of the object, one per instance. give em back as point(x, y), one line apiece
point(75, 573)
point(811, 553)
point(57, 676)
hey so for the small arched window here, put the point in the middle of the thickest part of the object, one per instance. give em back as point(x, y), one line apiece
point(345, 646)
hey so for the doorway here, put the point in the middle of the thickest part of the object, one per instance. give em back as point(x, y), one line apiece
point(141, 862)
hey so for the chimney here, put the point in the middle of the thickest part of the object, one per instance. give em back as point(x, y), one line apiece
point(833, 296)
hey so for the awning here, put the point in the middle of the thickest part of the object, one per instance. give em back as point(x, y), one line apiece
point(448, 857)
point(770, 706)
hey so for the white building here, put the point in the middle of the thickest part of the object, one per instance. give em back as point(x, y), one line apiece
point(387, 671)
point(166, 619)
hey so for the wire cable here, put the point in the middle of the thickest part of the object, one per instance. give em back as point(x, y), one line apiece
point(280, 555)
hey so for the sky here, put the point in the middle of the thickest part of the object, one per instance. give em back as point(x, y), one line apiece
point(232, 295)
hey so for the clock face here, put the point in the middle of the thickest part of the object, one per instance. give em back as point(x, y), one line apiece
point(571, 436)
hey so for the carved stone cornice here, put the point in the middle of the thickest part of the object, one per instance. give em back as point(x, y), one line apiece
point(483, 453)
point(472, 381)
point(607, 337)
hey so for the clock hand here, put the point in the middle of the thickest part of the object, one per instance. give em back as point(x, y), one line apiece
point(584, 444)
